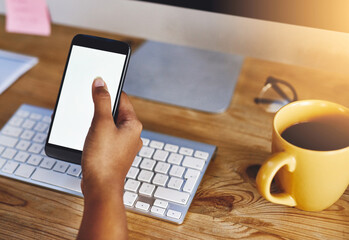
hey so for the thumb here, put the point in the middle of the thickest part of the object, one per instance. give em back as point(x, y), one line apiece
point(102, 100)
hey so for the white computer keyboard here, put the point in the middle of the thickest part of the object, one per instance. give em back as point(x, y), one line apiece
point(161, 183)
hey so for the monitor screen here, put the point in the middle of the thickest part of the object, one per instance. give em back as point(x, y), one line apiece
point(329, 15)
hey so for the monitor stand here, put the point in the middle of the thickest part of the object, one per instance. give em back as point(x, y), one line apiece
point(188, 77)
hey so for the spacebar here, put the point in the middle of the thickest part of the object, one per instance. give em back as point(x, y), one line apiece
point(57, 179)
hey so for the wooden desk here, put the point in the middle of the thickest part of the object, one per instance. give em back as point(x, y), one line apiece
point(227, 204)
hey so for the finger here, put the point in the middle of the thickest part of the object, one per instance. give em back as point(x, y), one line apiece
point(126, 112)
point(101, 99)
point(82, 185)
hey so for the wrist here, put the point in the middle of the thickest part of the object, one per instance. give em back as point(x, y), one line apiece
point(103, 192)
point(104, 216)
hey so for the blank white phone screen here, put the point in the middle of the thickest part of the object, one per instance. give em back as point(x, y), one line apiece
point(75, 107)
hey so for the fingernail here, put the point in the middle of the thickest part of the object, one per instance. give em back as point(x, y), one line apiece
point(98, 82)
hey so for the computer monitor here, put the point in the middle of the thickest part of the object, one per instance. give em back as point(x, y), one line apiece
point(225, 32)
point(311, 13)
point(205, 80)
point(184, 76)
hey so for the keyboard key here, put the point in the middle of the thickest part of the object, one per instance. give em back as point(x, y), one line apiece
point(157, 210)
point(146, 152)
point(189, 185)
point(41, 127)
point(74, 170)
point(35, 116)
point(160, 155)
point(186, 151)
point(28, 124)
point(11, 131)
point(177, 171)
point(34, 160)
point(16, 121)
point(136, 161)
point(193, 163)
point(156, 144)
point(24, 170)
point(174, 214)
point(202, 155)
point(57, 179)
point(160, 203)
point(8, 141)
point(172, 195)
point(162, 167)
point(61, 166)
point(2, 162)
point(160, 179)
point(23, 145)
point(132, 173)
point(175, 158)
point(145, 176)
point(132, 185)
point(21, 156)
point(22, 113)
point(142, 206)
point(10, 167)
point(129, 198)
point(175, 183)
point(36, 148)
point(145, 141)
point(147, 164)
point(46, 119)
point(147, 189)
point(27, 134)
point(171, 148)
point(192, 177)
point(47, 163)
point(40, 138)
point(9, 153)
point(191, 173)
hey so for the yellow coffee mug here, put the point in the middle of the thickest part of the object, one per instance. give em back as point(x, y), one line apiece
point(310, 180)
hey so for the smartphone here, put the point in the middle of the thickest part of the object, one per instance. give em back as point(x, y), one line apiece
point(89, 57)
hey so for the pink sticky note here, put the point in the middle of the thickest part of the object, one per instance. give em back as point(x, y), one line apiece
point(28, 16)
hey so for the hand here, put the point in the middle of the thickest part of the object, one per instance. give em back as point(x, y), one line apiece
point(109, 149)
point(108, 153)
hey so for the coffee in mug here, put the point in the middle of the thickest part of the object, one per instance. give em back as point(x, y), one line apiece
point(324, 133)
point(310, 161)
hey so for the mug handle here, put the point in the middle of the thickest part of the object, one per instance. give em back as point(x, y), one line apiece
point(268, 171)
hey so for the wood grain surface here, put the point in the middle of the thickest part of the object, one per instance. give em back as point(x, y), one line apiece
point(227, 204)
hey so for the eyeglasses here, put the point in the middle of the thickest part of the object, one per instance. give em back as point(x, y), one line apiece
point(275, 94)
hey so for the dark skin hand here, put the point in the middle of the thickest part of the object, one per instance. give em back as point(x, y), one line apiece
point(107, 156)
